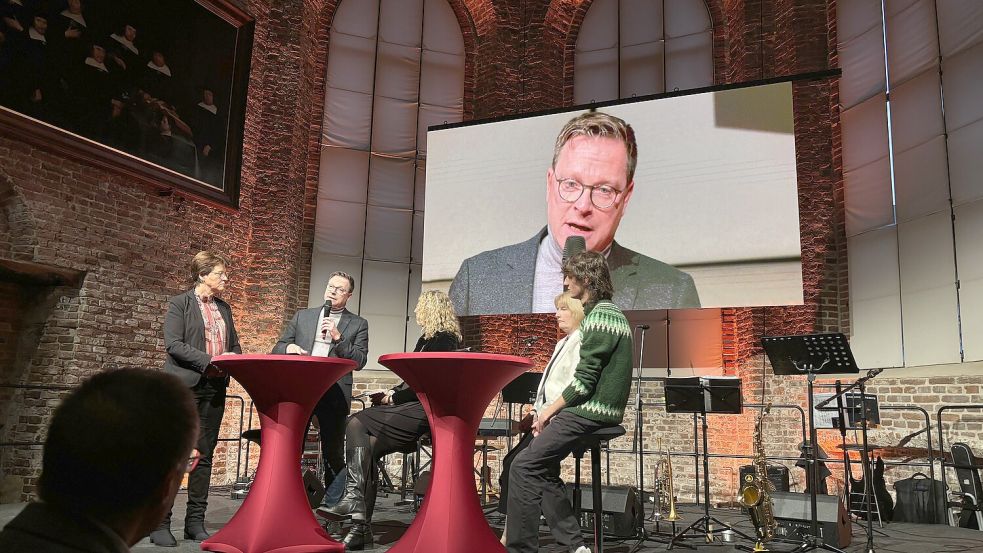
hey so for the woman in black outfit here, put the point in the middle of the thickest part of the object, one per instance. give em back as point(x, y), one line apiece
point(198, 328)
point(394, 424)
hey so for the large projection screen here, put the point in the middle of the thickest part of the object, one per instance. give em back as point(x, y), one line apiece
point(714, 196)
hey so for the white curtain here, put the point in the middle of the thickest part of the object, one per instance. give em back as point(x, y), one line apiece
point(631, 48)
point(913, 134)
point(394, 68)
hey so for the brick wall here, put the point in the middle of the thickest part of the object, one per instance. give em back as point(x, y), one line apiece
point(133, 245)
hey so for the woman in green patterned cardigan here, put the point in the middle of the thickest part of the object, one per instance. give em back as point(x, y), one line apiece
point(595, 399)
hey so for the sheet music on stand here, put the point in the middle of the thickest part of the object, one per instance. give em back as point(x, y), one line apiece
point(704, 394)
point(826, 416)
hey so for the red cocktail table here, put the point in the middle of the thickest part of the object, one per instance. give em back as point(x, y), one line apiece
point(455, 389)
point(276, 515)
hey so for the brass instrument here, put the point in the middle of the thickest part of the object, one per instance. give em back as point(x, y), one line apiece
point(665, 497)
point(757, 490)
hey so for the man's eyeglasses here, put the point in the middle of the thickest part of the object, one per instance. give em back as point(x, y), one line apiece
point(192, 461)
point(333, 288)
point(602, 196)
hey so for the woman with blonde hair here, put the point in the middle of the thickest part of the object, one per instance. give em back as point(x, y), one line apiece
point(393, 424)
point(557, 375)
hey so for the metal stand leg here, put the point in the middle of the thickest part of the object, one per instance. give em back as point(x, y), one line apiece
point(705, 523)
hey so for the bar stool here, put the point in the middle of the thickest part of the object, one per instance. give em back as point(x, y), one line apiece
point(593, 442)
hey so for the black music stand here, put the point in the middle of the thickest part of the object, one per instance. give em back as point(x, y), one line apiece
point(704, 395)
point(811, 355)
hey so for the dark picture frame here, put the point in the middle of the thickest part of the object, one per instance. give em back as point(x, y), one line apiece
point(154, 91)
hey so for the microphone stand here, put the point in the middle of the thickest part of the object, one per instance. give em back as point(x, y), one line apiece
point(643, 535)
point(864, 447)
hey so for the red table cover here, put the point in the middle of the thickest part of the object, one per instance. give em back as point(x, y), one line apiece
point(455, 389)
point(276, 515)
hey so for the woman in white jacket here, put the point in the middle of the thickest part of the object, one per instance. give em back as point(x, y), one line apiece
point(557, 375)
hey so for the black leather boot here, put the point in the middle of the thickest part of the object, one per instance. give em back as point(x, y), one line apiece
point(360, 535)
point(162, 536)
point(359, 465)
point(195, 531)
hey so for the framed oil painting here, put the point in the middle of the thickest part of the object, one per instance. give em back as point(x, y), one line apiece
point(154, 90)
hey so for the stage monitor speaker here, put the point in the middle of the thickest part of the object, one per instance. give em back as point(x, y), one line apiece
point(621, 510)
point(794, 516)
point(314, 488)
point(778, 474)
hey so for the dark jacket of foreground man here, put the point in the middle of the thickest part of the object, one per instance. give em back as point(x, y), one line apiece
point(42, 528)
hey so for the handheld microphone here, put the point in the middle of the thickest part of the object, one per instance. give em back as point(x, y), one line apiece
point(573, 246)
point(643, 327)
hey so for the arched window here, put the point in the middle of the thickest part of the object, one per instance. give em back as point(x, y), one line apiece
point(912, 127)
point(631, 48)
point(394, 68)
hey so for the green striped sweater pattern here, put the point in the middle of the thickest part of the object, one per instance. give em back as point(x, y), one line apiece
point(602, 379)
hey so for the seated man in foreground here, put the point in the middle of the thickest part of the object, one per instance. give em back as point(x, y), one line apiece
point(116, 452)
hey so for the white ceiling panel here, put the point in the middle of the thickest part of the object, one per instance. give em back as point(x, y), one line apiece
point(916, 111)
point(347, 119)
point(641, 22)
point(686, 17)
point(912, 41)
point(966, 162)
point(357, 18)
point(862, 61)
point(963, 87)
point(595, 76)
point(394, 127)
point(969, 253)
point(351, 63)
point(398, 72)
point(642, 71)
point(388, 233)
point(441, 29)
point(442, 80)
point(343, 174)
point(928, 291)
point(599, 31)
point(960, 24)
point(875, 298)
point(402, 22)
point(391, 182)
point(338, 227)
point(689, 64)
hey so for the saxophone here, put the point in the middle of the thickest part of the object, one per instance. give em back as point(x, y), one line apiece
point(665, 495)
point(757, 490)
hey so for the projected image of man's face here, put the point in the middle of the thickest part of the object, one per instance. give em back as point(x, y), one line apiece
point(587, 192)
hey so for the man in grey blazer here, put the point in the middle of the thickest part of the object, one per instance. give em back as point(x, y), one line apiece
point(588, 187)
point(330, 331)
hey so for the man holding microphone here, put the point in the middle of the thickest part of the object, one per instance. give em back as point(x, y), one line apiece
point(330, 330)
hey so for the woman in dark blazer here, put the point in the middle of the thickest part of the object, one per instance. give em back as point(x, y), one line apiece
point(394, 423)
point(197, 328)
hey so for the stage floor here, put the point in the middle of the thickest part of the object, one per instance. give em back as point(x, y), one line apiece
point(392, 521)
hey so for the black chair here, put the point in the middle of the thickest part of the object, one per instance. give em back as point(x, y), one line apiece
point(593, 443)
point(970, 492)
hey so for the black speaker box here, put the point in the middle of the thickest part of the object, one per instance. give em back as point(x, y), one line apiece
point(621, 510)
point(778, 474)
point(794, 516)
